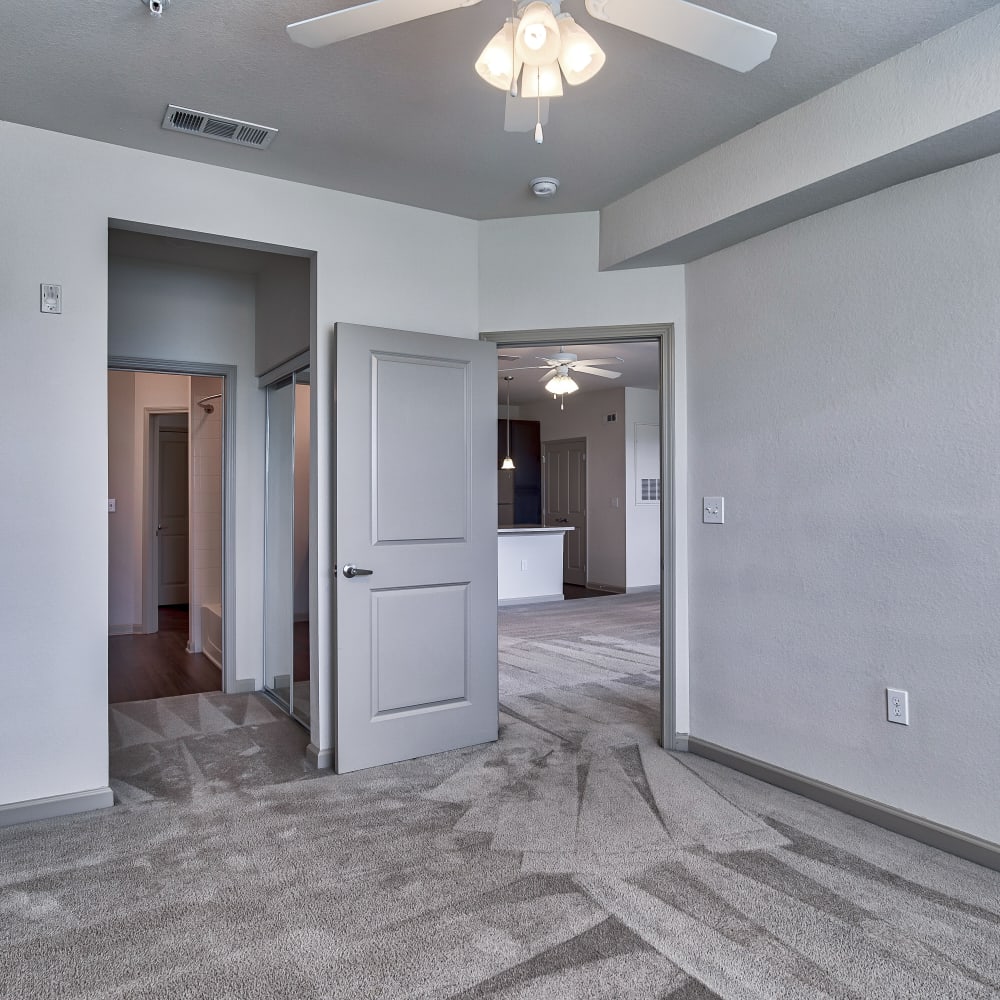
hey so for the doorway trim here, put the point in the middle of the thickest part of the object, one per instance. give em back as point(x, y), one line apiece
point(663, 335)
point(149, 555)
point(228, 374)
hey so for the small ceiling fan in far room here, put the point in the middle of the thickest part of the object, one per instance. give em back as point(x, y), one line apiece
point(560, 368)
point(539, 45)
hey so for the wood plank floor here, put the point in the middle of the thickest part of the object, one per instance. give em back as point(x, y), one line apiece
point(141, 667)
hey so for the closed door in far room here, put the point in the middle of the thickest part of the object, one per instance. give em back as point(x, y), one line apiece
point(565, 464)
point(172, 509)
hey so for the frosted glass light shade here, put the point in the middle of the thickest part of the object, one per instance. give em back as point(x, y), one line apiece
point(499, 64)
point(541, 81)
point(559, 385)
point(581, 58)
point(508, 463)
point(537, 41)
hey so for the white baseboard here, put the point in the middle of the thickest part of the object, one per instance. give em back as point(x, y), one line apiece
point(56, 805)
point(652, 589)
point(125, 630)
point(926, 831)
point(322, 760)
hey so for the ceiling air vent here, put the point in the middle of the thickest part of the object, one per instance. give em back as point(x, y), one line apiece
point(217, 127)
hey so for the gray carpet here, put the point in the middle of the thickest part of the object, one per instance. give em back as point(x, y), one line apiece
point(572, 859)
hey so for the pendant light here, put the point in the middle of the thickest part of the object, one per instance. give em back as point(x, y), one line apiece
point(508, 462)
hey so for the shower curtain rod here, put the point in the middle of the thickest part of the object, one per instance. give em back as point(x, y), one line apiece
point(206, 405)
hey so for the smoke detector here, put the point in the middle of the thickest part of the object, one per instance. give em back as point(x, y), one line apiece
point(544, 187)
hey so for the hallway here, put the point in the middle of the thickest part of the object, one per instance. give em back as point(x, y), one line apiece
point(158, 665)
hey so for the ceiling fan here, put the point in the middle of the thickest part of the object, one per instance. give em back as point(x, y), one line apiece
point(559, 367)
point(550, 45)
point(704, 32)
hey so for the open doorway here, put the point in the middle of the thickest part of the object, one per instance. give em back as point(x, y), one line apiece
point(604, 454)
point(165, 538)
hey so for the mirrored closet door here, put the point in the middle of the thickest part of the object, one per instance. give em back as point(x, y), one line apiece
point(286, 545)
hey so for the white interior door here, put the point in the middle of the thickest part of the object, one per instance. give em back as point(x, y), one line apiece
point(415, 667)
point(566, 502)
point(172, 513)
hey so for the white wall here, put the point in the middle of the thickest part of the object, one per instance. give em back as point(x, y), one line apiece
point(584, 416)
point(843, 398)
point(642, 520)
point(567, 290)
point(123, 613)
point(376, 263)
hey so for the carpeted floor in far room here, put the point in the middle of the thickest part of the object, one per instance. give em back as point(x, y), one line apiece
point(572, 859)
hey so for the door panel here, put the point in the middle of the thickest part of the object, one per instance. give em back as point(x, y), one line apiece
point(172, 515)
point(415, 650)
point(416, 665)
point(431, 451)
point(566, 502)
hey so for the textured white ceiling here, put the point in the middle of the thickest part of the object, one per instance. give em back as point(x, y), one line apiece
point(401, 115)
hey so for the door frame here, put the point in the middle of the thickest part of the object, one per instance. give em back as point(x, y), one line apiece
point(663, 335)
point(228, 375)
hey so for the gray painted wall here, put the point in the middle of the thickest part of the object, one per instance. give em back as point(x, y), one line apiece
point(843, 396)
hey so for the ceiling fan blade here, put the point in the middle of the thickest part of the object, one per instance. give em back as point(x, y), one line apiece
point(547, 375)
point(526, 368)
point(363, 18)
point(521, 113)
point(587, 370)
point(597, 361)
point(698, 30)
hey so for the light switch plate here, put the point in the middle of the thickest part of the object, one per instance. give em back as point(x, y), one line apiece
point(713, 510)
point(112, 506)
point(51, 298)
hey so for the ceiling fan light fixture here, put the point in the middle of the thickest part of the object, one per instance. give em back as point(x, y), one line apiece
point(499, 64)
point(580, 57)
point(560, 385)
point(542, 81)
point(537, 42)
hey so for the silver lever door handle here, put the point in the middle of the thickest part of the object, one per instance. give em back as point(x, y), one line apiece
point(351, 572)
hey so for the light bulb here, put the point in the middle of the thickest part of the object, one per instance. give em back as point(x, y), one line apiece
point(580, 57)
point(534, 36)
point(537, 40)
point(498, 65)
point(561, 384)
point(508, 463)
point(542, 81)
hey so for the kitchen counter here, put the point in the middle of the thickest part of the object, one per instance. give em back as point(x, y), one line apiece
point(530, 563)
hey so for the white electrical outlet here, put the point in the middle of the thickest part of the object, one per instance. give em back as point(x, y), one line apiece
point(897, 706)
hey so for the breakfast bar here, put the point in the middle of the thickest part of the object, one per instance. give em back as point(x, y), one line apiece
point(530, 564)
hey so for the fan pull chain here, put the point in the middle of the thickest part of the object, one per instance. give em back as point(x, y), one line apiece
point(513, 47)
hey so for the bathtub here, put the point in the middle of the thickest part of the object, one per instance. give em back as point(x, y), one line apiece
point(211, 632)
